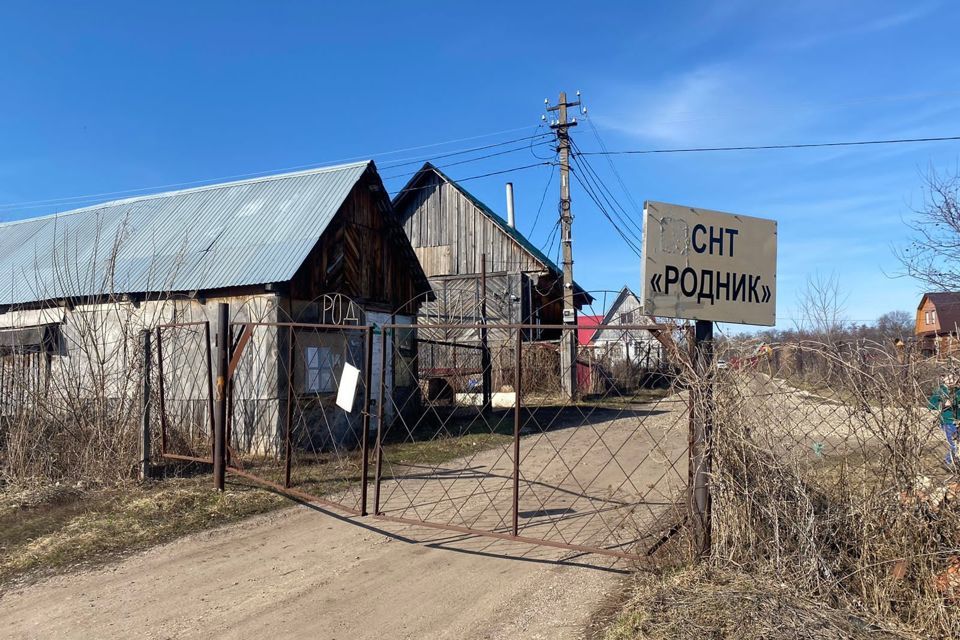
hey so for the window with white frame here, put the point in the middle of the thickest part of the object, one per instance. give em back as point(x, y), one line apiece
point(626, 317)
point(322, 366)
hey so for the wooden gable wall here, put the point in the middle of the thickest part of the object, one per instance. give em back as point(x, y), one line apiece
point(360, 256)
point(921, 320)
point(450, 233)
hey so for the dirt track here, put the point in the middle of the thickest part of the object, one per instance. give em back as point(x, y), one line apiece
point(307, 573)
point(302, 573)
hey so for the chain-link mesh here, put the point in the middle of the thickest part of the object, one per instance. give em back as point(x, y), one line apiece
point(494, 443)
point(183, 391)
point(285, 425)
point(469, 427)
point(834, 468)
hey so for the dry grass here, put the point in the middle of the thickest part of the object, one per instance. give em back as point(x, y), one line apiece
point(706, 603)
point(840, 494)
point(53, 529)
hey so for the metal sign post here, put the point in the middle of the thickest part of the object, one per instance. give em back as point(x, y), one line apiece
point(707, 266)
point(701, 428)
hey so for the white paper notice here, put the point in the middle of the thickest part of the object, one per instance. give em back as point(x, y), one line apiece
point(348, 387)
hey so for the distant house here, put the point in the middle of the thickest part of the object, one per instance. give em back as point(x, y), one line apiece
point(318, 246)
point(937, 329)
point(586, 328)
point(636, 346)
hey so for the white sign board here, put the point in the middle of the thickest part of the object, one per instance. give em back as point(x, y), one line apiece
point(709, 265)
point(348, 387)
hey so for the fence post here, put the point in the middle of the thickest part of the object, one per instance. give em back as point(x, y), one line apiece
point(381, 400)
point(161, 394)
point(365, 437)
point(145, 409)
point(701, 429)
point(517, 389)
point(220, 431)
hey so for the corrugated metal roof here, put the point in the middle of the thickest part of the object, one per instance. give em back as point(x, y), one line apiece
point(225, 235)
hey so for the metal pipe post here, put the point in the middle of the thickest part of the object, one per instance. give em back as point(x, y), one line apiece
point(380, 402)
point(701, 417)
point(145, 409)
point(517, 391)
point(220, 430)
point(211, 405)
point(365, 437)
point(163, 406)
point(487, 373)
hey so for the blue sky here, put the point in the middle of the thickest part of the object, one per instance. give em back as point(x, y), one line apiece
point(102, 97)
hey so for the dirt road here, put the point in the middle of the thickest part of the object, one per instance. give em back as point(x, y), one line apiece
point(314, 574)
point(305, 573)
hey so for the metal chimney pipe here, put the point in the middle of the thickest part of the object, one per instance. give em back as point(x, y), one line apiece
point(511, 219)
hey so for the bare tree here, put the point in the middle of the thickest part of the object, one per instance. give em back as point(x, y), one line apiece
point(895, 324)
point(822, 307)
point(933, 254)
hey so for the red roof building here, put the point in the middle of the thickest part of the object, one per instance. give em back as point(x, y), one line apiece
point(586, 328)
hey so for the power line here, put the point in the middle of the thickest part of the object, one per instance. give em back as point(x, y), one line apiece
point(482, 175)
point(810, 145)
point(545, 247)
point(463, 151)
point(540, 157)
point(585, 180)
point(613, 168)
point(594, 186)
point(475, 177)
point(543, 199)
point(29, 204)
point(632, 227)
point(589, 190)
point(468, 160)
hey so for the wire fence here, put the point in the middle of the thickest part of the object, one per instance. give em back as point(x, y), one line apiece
point(830, 463)
point(833, 469)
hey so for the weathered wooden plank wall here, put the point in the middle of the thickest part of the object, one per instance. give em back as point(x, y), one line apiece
point(450, 233)
point(361, 255)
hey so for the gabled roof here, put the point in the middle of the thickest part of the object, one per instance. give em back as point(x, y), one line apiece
point(515, 235)
point(625, 293)
point(249, 232)
point(947, 304)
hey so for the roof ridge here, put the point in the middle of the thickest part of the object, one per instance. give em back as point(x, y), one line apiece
point(177, 192)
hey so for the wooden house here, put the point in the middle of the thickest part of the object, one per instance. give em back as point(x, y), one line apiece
point(609, 355)
point(937, 328)
point(636, 346)
point(318, 246)
point(481, 269)
point(455, 236)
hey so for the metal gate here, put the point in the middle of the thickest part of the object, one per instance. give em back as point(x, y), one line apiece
point(462, 427)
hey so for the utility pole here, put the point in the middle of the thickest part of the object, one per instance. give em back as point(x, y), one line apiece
point(568, 339)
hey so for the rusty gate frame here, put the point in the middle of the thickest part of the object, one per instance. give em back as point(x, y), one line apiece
point(660, 332)
point(236, 348)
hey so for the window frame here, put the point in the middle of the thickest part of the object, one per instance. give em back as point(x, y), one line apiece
point(320, 365)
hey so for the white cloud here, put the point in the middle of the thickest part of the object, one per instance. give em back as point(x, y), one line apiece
point(709, 103)
point(867, 27)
